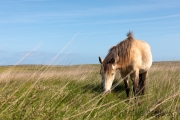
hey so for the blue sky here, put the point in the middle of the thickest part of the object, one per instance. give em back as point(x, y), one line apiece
point(77, 32)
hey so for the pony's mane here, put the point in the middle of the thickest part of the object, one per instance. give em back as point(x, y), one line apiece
point(121, 52)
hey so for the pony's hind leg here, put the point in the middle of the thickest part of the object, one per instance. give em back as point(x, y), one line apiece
point(142, 82)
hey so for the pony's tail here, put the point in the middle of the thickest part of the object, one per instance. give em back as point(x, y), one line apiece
point(130, 35)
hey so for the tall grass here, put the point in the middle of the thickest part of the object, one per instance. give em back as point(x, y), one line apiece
point(75, 92)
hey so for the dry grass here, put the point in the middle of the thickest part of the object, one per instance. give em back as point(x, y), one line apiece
point(74, 92)
point(45, 72)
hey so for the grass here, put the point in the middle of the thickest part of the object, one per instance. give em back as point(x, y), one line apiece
point(75, 92)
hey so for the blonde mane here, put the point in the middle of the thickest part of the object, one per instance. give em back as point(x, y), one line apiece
point(121, 53)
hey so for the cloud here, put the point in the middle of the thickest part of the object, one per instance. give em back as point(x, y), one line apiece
point(84, 13)
point(34, 0)
point(40, 57)
point(34, 54)
point(67, 15)
point(120, 9)
point(152, 18)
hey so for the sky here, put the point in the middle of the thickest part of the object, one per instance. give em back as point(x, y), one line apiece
point(68, 32)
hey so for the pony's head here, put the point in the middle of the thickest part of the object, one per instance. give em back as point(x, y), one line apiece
point(107, 71)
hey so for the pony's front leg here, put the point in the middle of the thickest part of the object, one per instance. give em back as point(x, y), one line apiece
point(135, 79)
point(126, 86)
point(126, 83)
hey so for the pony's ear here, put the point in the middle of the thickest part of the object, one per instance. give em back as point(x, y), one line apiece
point(112, 61)
point(100, 60)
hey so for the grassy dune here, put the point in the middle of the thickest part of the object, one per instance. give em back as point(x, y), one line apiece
point(74, 92)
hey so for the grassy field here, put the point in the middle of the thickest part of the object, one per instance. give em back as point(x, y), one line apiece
point(75, 93)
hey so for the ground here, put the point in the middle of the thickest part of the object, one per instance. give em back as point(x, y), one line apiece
point(75, 92)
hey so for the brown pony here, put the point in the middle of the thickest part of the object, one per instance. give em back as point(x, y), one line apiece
point(131, 57)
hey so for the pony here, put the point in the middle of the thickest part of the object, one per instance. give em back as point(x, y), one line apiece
point(131, 57)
